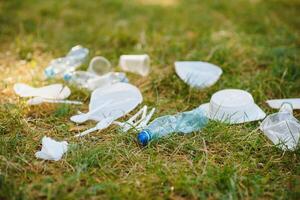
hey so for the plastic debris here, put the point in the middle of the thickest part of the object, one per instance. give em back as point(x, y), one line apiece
point(39, 100)
point(55, 93)
point(185, 122)
point(198, 74)
point(276, 103)
point(60, 66)
point(139, 64)
point(92, 81)
point(99, 66)
point(51, 149)
point(136, 123)
point(233, 106)
point(282, 128)
point(110, 103)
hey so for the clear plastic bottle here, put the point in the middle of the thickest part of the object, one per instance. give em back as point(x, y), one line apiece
point(185, 122)
point(92, 81)
point(59, 66)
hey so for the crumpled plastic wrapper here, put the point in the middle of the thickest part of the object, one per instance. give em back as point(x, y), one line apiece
point(51, 149)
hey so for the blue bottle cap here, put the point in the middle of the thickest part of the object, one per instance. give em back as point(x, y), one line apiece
point(143, 137)
point(67, 76)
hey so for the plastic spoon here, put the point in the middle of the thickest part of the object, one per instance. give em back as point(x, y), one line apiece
point(145, 121)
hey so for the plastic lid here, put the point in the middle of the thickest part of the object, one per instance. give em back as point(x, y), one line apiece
point(143, 137)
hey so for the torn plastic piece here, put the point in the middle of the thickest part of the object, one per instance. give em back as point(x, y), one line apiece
point(233, 106)
point(282, 128)
point(110, 103)
point(139, 64)
point(59, 66)
point(99, 66)
point(51, 149)
point(137, 124)
point(198, 74)
point(276, 103)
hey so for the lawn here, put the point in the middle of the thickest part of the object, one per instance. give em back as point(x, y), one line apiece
point(255, 42)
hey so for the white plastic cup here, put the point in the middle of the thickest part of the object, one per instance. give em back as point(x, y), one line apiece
point(139, 64)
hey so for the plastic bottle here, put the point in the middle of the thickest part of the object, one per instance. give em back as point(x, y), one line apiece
point(59, 66)
point(92, 81)
point(185, 122)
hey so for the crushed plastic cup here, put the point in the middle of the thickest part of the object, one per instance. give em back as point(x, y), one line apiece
point(282, 128)
point(139, 64)
point(51, 149)
point(99, 66)
point(198, 74)
point(233, 106)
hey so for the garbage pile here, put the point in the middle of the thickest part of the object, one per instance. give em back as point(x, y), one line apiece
point(113, 97)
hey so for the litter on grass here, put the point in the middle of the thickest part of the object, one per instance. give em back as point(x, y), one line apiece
point(233, 106)
point(185, 122)
point(92, 81)
point(55, 93)
point(276, 103)
point(39, 100)
point(282, 128)
point(139, 64)
point(58, 67)
point(135, 122)
point(99, 66)
point(108, 104)
point(51, 149)
point(198, 74)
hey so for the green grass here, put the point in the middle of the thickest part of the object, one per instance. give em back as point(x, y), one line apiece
point(257, 44)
